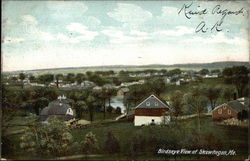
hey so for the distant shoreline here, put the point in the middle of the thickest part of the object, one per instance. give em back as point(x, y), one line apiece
point(221, 64)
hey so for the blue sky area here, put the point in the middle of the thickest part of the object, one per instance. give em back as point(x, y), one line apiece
point(49, 34)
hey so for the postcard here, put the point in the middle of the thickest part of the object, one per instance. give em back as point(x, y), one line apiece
point(125, 80)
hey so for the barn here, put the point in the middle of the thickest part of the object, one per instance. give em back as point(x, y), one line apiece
point(228, 110)
point(151, 111)
point(60, 108)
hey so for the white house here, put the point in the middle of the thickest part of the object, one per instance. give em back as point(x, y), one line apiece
point(151, 111)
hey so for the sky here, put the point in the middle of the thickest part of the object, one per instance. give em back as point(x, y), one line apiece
point(54, 34)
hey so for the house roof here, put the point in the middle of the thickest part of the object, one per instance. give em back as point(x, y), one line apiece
point(236, 105)
point(124, 89)
point(57, 107)
point(64, 101)
point(152, 102)
point(245, 101)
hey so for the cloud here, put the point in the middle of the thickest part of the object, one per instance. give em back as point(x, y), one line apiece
point(178, 31)
point(12, 40)
point(85, 34)
point(130, 13)
point(118, 36)
point(30, 20)
point(219, 38)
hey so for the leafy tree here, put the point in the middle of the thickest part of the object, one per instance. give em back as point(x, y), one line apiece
point(176, 101)
point(32, 79)
point(40, 103)
point(58, 77)
point(90, 144)
point(118, 110)
point(110, 109)
point(216, 71)
point(228, 93)
point(46, 78)
point(204, 71)
point(70, 78)
point(80, 78)
point(111, 145)
point(110, 92)
point(238, 76)
point(196, 102)
point(22, 77)
point(91, 103)
point(174, 72)
point(53, 139)
point(212, 93)
point(80, 107)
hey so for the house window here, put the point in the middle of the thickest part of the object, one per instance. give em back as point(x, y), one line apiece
point(219, 111)
point(147, 103)
point(224, 107)
point(229, 112)
point(156, 103)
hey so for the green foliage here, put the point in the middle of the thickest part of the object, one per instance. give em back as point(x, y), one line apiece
point(70, 78)
point(238, 76)
point(174, 72)
point(204, 71)
point(45, 78)
point(90, 144)
point(111, 145)
point(177, 103)
point(212, 93)
point(80, 107)
point(52, 139)
point(22, 76)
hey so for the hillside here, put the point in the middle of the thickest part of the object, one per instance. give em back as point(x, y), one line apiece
point(194, 66)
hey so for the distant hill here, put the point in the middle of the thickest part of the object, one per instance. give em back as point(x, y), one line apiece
point(214, 65)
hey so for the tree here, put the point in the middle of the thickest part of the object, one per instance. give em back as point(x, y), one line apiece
point(204, 71)
point(91, 106)
point(110, 92)
point(40, 103)
point(54, 138)
point(174, 72)
point(46, 78)
point(58, 77)
point(197, 103)
point(32, 79)
point(70, 78)
point(118, 110)
point(212, 93)
point(176, 101)
point(79, 78)
point(80, 107)
point(111, 145)
point(22, 77)
point(238, 76)
point(228, 93)
point(90, 144)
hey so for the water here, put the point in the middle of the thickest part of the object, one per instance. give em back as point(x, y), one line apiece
point(117, 102)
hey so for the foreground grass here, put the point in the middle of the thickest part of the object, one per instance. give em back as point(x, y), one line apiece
point(232, 138)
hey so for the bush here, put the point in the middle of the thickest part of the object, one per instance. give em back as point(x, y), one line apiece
point(90, 145)
point(118, 110)
point(110, 109)
point(111, 144)
point(51, 139)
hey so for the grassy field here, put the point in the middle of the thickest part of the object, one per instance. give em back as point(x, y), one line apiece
point(231, 137)
point(186, 87)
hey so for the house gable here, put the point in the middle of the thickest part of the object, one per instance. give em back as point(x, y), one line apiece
point(152, 102)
